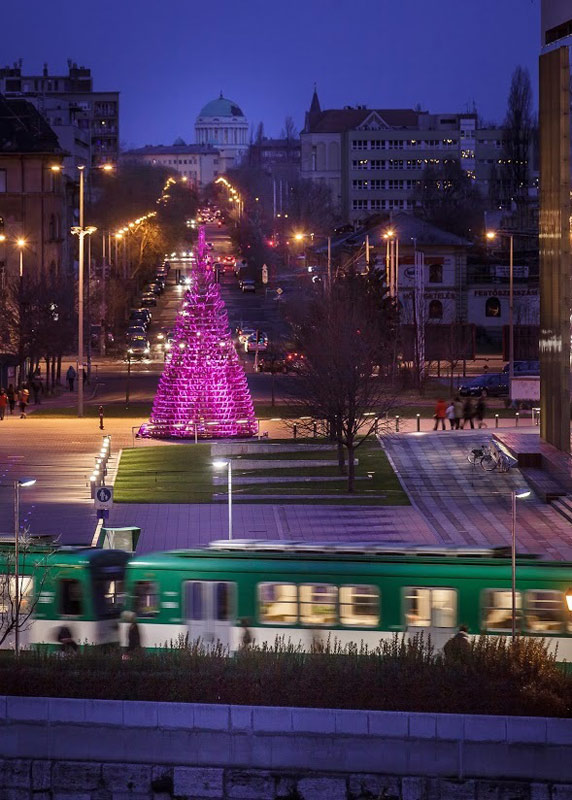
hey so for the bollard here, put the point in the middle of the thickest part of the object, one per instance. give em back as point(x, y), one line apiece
point(294, 430)
point(315, 429)
point(100, 412)
point(396, 424)
point(418, 422)
point(496, 420)
point(516, 418)
point(375, 427)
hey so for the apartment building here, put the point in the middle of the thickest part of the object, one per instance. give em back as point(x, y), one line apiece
point(372, 159)
point(73, 108)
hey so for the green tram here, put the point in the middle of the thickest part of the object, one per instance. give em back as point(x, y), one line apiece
point(355, 593)
point(80, 588)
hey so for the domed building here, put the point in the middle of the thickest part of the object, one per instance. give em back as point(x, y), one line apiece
point(222, 124)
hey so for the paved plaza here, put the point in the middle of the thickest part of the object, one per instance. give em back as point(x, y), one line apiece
point(465, 505)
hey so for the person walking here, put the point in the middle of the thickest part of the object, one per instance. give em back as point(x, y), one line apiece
point(11, 398)
point(3, 403)
point(468, 413)
point(450, 412)
point(458, 648)
point(24, 399)
point(458, 406)
point(70, 377)
point(480, 411)
point(36, 390)
point(440, 414)
point(133, 635)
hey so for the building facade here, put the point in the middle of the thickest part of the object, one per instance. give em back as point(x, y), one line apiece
point(199, 164)
point(221, 124)
point(70, 101)
point(372, 159)
point(32, 201)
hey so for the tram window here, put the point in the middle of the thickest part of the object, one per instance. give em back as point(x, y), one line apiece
point(544, 611)
point(224, 601)
point(8, 592)
point(425, 608)
point(109, 597)
point(278, 603)
point(497, 609)
point(71, 601)
point(318, 603)
point(194, 600)
point(146, 599)
point(359, 606)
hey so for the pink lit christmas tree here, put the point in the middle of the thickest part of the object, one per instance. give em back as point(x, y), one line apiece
point(203, 389)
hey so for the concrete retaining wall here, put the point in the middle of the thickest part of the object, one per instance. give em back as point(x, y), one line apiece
point(132, 749)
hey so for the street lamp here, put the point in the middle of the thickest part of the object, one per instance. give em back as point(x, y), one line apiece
point(221, 465)
point(515, 495)
point(392, 261)
point(491, 235)
point(20, 484)
point(82, 233)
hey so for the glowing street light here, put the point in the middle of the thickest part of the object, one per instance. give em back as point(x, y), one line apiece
point(20, 484)
point(515, 495)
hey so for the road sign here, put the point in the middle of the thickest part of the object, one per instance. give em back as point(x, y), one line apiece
point(264, 273)
point(279, 291)
point(103, 498)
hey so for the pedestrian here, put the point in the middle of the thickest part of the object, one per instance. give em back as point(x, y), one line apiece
point(11, 397)
point(68, 643)
point(458, 404)
point(70, 377)
point(481, 410)
point(440, 414)
point(24, 399)
point(468, 413)
point(458, 648)
point(84, 373)
point(3, 403)
point(450, 412)
point(246, 636)
point(133, 635)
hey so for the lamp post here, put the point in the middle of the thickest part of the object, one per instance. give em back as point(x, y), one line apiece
point(81, 231)
point(391, 261)
point(491, 235)
point(22, 483)
point(21, 243)
point(515, 495)
point(220, 465)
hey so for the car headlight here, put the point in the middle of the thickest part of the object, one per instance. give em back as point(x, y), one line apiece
point(147, 349)
point(161, 336)
point(167, 345)
point(130, 351)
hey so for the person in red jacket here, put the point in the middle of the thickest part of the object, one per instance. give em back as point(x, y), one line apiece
point(440, 414)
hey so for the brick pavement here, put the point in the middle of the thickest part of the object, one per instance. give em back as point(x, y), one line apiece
point(465, 505)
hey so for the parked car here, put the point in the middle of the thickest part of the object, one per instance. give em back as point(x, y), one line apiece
point(248, 285)
point(243, 334)
point(495, 385)
point(155, 287)
point(140, 316)
point(138, 348)
point(524, 368)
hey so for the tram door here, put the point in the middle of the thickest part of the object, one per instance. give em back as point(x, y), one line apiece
point(210, 610)
point(431, 610)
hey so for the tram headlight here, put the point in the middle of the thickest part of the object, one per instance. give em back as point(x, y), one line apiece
point(569, 599)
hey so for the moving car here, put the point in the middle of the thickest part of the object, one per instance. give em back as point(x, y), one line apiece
point(138, 348)
point(495, 385)
point(250, 344)
point(135, 330)
point(140, 316)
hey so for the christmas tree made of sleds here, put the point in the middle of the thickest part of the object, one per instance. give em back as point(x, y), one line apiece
point(203, 390)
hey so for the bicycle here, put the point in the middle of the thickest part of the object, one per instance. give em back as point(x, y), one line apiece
point(495, 459)
point(477, 454)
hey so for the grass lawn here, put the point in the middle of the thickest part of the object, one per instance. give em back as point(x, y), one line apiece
point(171, 474)
point(183, 474)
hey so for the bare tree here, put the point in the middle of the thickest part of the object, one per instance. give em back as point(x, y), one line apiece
point(289, 131)
point(345, 335)
point(518, 136)
point(33, 572)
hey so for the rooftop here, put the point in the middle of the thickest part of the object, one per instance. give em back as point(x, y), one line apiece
point(23, 129)
point(221, 107)
point(172, 149)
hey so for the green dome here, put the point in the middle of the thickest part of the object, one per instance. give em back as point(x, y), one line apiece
point(221, 107)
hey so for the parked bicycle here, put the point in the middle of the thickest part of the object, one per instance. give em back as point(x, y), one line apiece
point(490, 457)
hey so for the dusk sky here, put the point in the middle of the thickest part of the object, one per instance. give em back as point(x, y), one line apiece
point(169, 58)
